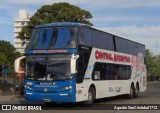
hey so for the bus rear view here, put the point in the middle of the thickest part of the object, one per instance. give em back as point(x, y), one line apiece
point(72, 62)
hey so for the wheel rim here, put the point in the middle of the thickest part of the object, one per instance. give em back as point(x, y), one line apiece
point(90, 97)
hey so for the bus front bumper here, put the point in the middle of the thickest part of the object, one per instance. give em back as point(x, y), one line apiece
point(66, 96)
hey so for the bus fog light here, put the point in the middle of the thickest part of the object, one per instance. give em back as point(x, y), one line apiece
point(70, 87)
point(67, 88)
point(28, 87)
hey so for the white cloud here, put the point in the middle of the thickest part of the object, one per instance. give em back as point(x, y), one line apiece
point(127, 3)
point(148, 35)
point(122, 18)
point(38, 2)
point(12, 7)
point(91, 3)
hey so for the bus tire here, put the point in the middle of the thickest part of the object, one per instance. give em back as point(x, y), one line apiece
point(131, 94)
point(136, 92)
point(91, 97)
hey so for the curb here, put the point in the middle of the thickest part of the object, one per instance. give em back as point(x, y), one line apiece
point(152, 82)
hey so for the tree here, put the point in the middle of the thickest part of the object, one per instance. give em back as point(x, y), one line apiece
point(57, 12)
point(3, 60)
point(150, 62)
point(153, 63)
point(158, 65)
point(7, 52)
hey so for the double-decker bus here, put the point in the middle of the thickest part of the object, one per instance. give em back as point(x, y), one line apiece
point(74, 62)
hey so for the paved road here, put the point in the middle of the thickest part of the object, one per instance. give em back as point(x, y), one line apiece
point(150, 96)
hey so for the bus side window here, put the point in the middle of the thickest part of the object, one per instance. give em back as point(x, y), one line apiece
point(116, 73)
point(85, 37)
point(125, 72)
point(97, 39)
point(129, 72)
point(108, 42)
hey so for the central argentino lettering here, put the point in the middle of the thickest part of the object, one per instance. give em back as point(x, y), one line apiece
point(121, 58)
point(108, 56)
point(102, 55)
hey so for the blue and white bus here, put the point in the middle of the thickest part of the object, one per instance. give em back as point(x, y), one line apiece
point(74, 62)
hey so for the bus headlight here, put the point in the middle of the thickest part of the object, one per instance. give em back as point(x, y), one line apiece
point(67, 88)
point(28, 87)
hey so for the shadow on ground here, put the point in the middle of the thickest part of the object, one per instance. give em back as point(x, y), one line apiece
point(98, 105)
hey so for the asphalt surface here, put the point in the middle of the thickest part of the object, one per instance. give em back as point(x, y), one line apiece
point(150, 97)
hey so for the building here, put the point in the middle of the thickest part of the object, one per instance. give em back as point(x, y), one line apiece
point(19, 22)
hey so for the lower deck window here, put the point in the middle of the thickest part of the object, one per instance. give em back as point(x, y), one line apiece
point(103, 71)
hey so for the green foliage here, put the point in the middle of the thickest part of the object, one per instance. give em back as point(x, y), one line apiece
point(152, 63)
point(3, 60)
point(158, 65)
point(7, 53)
point(57, 12)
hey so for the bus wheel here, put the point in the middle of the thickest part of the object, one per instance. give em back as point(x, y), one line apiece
point(132, 90)
point(91, 97)
point(136, 91)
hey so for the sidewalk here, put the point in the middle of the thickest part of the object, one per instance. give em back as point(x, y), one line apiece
point(9, 98)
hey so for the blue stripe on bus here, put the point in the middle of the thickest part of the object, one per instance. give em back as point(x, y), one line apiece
point(51, 51)
point(72, 50)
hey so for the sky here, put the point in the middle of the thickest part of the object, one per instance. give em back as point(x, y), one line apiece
point(137, 20)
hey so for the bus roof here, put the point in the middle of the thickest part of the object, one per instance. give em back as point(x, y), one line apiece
point(58, 24)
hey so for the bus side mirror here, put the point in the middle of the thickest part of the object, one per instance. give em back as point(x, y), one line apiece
point(17, 64)
point(74, 64)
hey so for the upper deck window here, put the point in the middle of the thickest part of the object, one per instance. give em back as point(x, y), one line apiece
point(41, 39)
point(64, 37)
point(85, 37)
point(54, 38)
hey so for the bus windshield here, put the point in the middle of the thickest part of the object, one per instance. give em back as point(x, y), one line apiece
point(54, 38)
point(54, 67)
point(36, 68)
point(58, 70)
